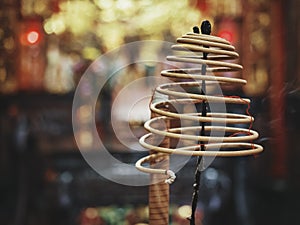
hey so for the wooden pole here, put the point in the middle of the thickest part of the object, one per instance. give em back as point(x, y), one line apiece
point(159, 197)
point(159, 190)
point(159, 193)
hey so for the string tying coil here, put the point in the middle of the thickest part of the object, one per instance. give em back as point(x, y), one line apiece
point(171, 175)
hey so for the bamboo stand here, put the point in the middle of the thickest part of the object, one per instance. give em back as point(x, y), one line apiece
point(158, 189)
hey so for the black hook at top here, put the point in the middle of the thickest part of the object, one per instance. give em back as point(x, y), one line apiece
point(206, 27)
point(196, 30)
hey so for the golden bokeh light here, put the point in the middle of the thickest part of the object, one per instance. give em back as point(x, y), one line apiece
point(114, 20)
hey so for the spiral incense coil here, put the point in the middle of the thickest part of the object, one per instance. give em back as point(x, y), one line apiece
point(183, 91)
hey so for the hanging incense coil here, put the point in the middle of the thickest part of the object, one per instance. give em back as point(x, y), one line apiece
point(184, 91)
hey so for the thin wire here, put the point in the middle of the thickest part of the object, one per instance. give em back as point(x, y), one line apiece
point(248, 114)
point(205, 29)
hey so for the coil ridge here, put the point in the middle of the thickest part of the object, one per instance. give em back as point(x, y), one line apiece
point(227, 134)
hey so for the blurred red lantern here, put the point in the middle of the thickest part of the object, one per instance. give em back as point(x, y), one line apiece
point(228, 29)
point(31, 37)
point(226, 34)
point(31, 55)
point(31, 33)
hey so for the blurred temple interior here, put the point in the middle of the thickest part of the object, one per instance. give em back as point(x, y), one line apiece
point(47, 46)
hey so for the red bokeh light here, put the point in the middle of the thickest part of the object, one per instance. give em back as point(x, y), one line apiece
point(30, 37)
point(33, 37)
point(228, 35)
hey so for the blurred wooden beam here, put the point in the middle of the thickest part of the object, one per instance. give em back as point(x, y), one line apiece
point(278, 93)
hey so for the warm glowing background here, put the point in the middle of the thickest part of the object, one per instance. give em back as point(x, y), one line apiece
point(45, 47)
